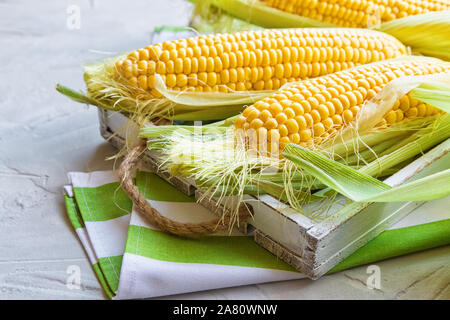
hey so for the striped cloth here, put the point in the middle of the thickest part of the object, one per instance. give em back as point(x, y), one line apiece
point(133, 259)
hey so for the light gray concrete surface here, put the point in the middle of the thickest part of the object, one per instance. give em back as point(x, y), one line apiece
point(43, 135)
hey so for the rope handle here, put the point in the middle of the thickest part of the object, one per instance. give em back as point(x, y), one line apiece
point(143, 207)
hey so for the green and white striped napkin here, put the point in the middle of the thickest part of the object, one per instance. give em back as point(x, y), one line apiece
point(133, 259)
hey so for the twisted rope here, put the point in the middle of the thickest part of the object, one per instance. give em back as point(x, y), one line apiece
point(145, 209)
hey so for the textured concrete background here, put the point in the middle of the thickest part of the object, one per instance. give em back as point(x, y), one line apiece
point(43, 135)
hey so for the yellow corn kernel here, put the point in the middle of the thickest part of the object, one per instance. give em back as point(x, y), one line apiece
point(391, 117)
point(275, 108)
point(239, 122)
point(289, 112)
point(256, 124)
point(292, 126)
point(412, 112)
point(270, 124)
point(305, 135)
point(302, 124)
point(171, 80)
point(283, 130)
point(421, 109)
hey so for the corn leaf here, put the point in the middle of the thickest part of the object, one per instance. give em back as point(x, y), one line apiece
point(432, 187)
point(345, 180)
point(278, 191)
point(426, 33)
point(159, 29)
point(75, 95)
point(361, 187)
point(419, 142)
point(435, 94)
point(224, 123)
point(358, 143)
point(205, 20)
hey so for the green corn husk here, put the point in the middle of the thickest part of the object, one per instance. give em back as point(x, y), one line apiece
point(279, 191)
point(433, 93)
point(355, 144)
point(361, 187)
point(426, 33)
point(422, 140)
point(368, 155)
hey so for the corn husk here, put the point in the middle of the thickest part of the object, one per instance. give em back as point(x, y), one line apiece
point(427, 33)
point(361, 187)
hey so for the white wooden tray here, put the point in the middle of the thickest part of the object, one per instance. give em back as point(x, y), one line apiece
point(312, 246)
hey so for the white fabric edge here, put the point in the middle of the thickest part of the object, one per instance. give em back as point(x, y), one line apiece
point(68, 190)
point(87, 245)
point(143, 277)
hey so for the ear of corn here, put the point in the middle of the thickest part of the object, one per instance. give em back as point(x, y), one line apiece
point(357, 14)
point(423, 25)
point(315, 110)
point(252, 60)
